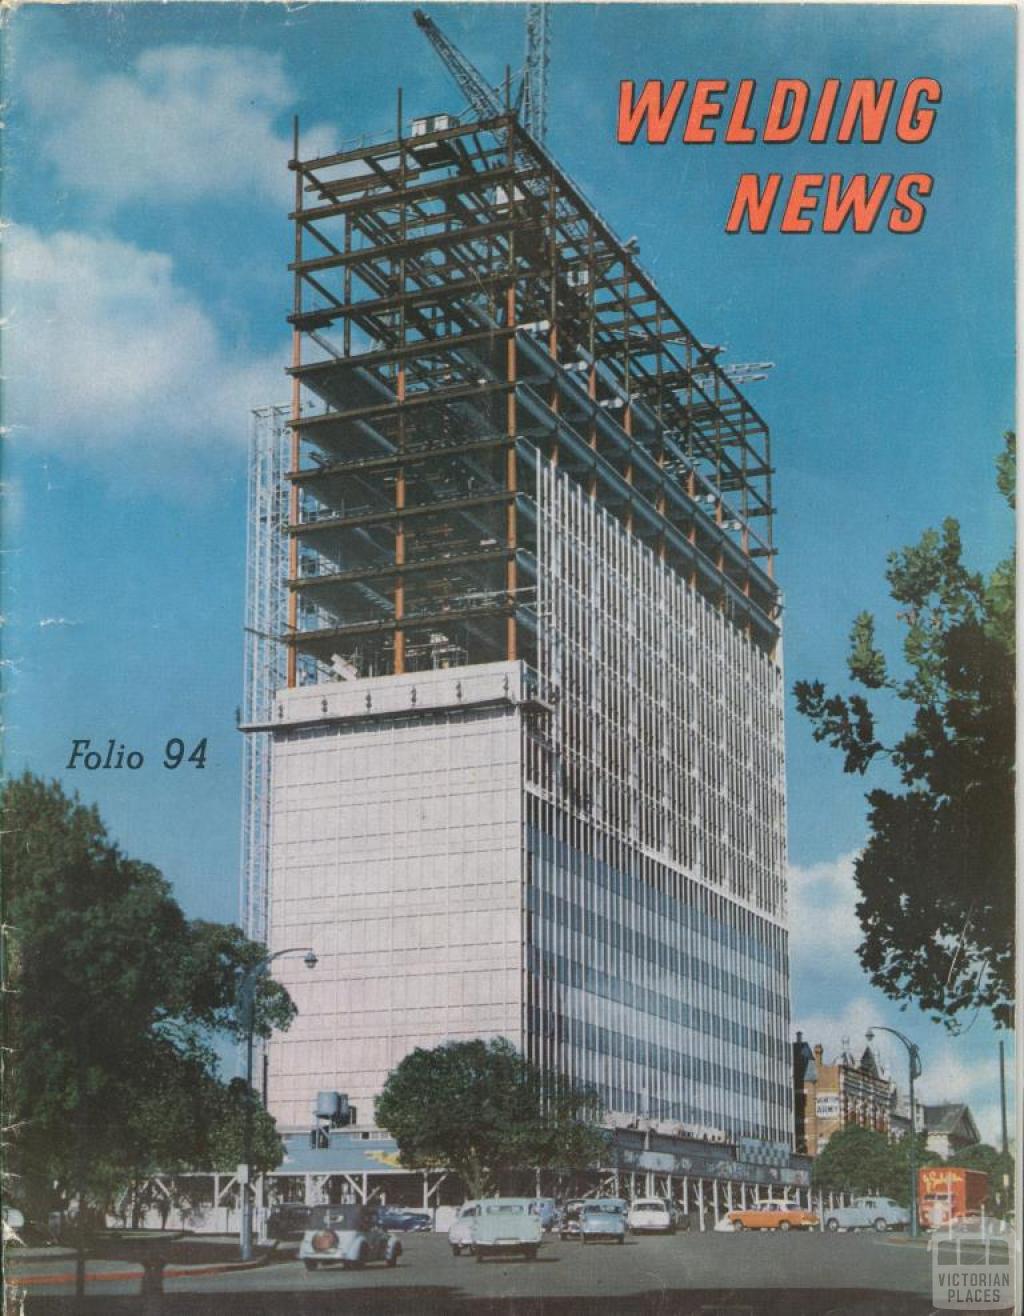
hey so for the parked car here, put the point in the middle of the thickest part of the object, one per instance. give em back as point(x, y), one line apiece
point(546, 1209)
point(18, 1231)
point(880, 1213)
point(505, 1225)
point(651, 1215)
point(460, 1235)
point(569, 1224)
point(773, 1215)
point(288, 1221)
point(400, 1220)
point(349, 1234)
point(13, 1224)
point(602, 1220)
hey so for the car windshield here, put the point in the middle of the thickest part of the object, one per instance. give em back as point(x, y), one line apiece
point(600, 1210)
point(505, 1208)
point(348, 1216)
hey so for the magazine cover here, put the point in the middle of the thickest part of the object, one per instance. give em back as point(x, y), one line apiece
point(509, 658)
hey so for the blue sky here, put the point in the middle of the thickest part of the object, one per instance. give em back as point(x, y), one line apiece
point(146, 292)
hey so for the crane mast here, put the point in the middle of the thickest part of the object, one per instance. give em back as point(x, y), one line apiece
point(531, 101)
point(485, 103)
point(535, 77)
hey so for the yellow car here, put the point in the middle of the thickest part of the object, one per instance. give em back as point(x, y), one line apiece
point(773, 1215)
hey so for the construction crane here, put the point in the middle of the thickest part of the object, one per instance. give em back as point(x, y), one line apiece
point(531, 100)
point(482, 98)
point(535, 76)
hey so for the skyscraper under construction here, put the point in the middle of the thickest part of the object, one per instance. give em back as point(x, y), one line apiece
point(528, 769)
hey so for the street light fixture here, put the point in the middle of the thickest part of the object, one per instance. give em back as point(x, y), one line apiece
point(247, 1018)
point(914, 1060)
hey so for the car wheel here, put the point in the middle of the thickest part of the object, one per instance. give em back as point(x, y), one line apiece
point(785, 1226)
point(456, 1249)
point(880, 1225)
point(583, 1239)
point(392, 1259)
point(621, 1239)
point(479, 1255)
point(530, 1253)
point(738, 1226)
point(832, 1225)
point(311, 1265)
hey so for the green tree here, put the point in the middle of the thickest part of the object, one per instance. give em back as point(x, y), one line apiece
point(936, 877)
point(859, 1161)
point(113, 1000)
point(999, 1167)
point(854, 1160)
point(482, 1110)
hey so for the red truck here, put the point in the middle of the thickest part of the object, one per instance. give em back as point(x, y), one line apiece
point(946, 1193)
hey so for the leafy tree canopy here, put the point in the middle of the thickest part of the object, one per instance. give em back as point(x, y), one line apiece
point(860, 1161)
point(936, 877)
point(999, 1166)
point(115, 995)
point(983, 1156)
point(484, 1111)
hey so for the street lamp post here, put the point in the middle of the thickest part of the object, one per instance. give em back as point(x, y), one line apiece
point(247, 1018)
point(914, 1059)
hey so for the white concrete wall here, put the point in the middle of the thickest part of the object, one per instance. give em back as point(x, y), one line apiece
point(396, 854)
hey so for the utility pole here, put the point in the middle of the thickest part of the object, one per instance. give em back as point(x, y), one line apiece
point(247, 1019)
point(914, 1071)
point(1002, 1095)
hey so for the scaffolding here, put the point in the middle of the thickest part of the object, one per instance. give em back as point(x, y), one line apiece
point(460, 310)
point(266, 612)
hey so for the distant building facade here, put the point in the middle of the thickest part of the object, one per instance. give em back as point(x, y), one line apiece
point(830, 1097)
point(949, 1129)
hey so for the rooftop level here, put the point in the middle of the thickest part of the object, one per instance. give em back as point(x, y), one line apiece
point(462, 314)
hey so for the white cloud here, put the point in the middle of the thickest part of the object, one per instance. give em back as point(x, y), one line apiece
point(953, 1071)
point(821, 911)
point(988, 1117)
point(838, 1030)
point(187, 123)
point(107, 354)
point(954, 1075)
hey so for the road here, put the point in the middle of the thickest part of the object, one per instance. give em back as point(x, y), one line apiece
point(724, 1274)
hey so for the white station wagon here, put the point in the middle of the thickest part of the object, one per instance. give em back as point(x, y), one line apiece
point(506, 1225)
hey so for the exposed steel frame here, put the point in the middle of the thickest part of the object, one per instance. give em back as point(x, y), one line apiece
point(458, 309)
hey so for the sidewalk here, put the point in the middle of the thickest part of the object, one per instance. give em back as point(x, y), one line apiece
point(113, 1261)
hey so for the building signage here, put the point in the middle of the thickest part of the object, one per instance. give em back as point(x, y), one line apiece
point(826, 1106)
